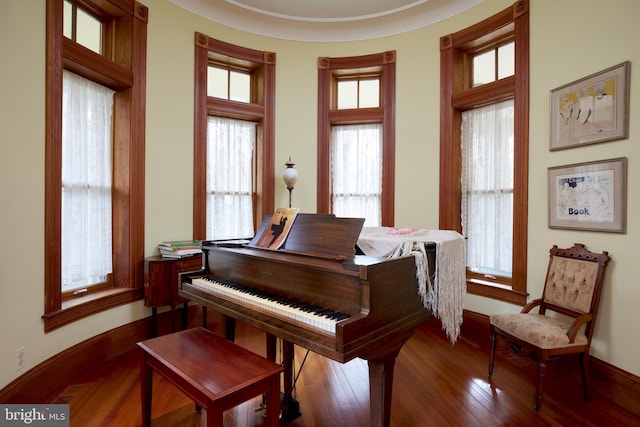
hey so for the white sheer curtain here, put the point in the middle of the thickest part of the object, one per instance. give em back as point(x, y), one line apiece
point(86, 182)
point(487, 187)
point(356, 152)
point(230, 147)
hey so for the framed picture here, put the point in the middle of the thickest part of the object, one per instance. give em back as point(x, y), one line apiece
point(591, 110)
point(589, 196)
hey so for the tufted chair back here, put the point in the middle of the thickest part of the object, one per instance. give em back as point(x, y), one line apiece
point(574, 282)
point(571, 283)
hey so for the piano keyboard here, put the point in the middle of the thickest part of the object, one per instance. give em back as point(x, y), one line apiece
point(309, 314)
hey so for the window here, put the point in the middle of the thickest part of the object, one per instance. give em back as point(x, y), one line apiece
point(494, 64)
point(356, 137)
point(228, 84)
point(234, 139)
point(95, 48)
point(230, 148)
point(86, 183)
point(82, 28)
point(487, 188)
point(484, 149)
point(357, 171)
point(358, 93)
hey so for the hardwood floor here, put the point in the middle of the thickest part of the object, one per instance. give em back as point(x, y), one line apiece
point(435, 384)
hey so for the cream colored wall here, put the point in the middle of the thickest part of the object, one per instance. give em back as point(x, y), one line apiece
point(569, 40)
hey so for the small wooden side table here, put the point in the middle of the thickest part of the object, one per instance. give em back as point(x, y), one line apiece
point(161, 284)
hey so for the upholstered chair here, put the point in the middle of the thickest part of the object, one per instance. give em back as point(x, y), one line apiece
point(566, 315)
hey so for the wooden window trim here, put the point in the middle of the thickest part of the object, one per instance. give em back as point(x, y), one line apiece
point(385, 114)
point(124, 71)
point(262, 111)
point(455, 97)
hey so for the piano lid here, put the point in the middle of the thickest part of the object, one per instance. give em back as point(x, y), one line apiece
point(320, 235)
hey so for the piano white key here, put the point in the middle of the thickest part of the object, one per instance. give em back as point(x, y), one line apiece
point(318, 321)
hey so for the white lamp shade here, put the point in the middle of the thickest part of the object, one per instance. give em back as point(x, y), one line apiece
point(290, 176)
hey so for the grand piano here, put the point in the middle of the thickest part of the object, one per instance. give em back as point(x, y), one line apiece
point(316, 292)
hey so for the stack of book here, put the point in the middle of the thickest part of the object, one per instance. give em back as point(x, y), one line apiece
point(179, 248)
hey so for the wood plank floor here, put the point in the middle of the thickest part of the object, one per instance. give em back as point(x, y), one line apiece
point(435, 384)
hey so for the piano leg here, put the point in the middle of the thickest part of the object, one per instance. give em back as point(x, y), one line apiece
point(205, 322)
point(228, 325)
point(271, 347)
point(287, 357)
point(380, 388)
point(381, 365)
point(289, 407)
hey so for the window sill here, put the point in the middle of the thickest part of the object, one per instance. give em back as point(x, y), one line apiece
point(85, 305)
point(498, 292)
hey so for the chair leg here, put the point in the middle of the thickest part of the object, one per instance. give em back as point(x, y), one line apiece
point(586, 386)
point(540, 384)
point(492, 352)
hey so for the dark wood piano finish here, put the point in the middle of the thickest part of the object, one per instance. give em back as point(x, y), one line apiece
point(380, 295)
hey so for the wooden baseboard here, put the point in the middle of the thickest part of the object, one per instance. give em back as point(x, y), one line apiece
point(607, 381)
point(41, 383)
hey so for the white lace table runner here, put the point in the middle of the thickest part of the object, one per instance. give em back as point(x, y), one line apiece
point(445, 297)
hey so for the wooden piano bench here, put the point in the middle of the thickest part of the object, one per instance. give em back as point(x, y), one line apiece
point(217, 374)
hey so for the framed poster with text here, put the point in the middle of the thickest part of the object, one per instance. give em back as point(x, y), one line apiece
point(589, 196)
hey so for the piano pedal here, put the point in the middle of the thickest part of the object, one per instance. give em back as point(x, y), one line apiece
point(263, 408)
point(289, 409)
